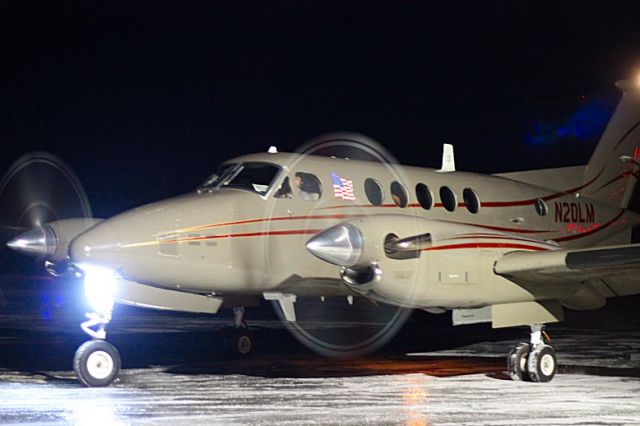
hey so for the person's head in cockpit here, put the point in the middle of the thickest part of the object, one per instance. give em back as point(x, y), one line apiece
point(305, 188)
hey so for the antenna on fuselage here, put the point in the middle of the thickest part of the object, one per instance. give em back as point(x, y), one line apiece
point(448, 160)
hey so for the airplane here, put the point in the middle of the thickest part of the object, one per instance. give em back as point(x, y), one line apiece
point(510, 249)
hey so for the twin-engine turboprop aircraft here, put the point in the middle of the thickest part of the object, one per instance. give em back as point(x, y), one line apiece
point(510, 249)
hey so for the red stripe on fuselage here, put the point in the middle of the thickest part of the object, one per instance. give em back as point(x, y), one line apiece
point(345, 216)
point(496, 237)
point(545, 198)
point(273, 219)
point(484, 245)
point(244, 234)
point(615, 179)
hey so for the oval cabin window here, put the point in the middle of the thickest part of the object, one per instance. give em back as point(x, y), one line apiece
point(541, 207)
point(399, 194)
point(471, 200)
point(424, 196)
point(373, 191)
point(448, 198)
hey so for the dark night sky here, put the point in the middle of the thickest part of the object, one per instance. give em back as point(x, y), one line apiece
point(143, 99)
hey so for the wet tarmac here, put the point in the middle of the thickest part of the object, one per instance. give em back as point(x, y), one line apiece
point(156, 395)
point(432, 373)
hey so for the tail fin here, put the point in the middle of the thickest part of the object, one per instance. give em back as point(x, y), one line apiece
point(612, 172)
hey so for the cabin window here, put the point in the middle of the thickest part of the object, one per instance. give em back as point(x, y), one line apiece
point(307, 186)
point(424, 196)
point(448, 198)
point(471, 200)
point(399, 194)
point(251, 176)
point(373, 191)
point(541, 207)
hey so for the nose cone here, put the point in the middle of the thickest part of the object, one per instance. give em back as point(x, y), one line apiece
point(98, 246)
point(39, 242)
point(340, 245)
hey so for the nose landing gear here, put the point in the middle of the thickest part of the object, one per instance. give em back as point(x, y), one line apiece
point(533, 362)
point(96, 362)
point(237, 341)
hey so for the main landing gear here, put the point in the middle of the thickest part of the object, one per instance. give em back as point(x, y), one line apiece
point(97, 362)
point(533, 362)
point(237, 341)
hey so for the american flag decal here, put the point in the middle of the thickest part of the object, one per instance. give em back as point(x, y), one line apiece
point(342, 188)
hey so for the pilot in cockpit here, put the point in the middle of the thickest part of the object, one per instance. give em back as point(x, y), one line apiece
point(306, 189)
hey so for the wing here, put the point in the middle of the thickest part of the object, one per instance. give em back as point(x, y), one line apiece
point(603, 271)
point(313, 287)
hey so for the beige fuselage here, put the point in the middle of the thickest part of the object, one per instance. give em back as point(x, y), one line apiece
point(239, 242)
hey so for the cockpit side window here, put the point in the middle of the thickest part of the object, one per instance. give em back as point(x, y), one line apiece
point(307, 186)
point(253, 176)
point(285, 189)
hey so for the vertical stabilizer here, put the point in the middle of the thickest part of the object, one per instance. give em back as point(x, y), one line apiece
point(612, 171)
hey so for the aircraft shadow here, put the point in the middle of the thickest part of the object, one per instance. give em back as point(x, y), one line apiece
point(278, 354)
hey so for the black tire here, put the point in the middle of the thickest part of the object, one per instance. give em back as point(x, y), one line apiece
point(542, 364)
point(97, 363)
point(238, 342)
point(517, 363)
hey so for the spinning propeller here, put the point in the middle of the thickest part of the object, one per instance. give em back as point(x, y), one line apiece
point(348, 325)
point(39, 188)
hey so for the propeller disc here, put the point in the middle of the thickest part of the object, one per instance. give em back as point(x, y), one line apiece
point(346, 325)
point(38, 188)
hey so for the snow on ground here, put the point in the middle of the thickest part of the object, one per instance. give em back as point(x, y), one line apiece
point(155, 396)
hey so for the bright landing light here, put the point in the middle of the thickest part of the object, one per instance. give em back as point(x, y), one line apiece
point(100, 286)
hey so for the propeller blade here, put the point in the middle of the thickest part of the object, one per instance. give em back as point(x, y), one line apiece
point(36, 189)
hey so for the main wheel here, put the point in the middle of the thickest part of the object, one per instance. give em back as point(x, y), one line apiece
point(238, 342)
point(542, 364)
point(517, 363)
point(96, 363)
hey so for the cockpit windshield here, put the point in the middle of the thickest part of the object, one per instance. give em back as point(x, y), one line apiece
point(212, 181)
point(252, 176)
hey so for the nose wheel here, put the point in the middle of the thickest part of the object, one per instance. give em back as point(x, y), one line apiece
point(97, 363)
point(533, 362)
point(237, 341)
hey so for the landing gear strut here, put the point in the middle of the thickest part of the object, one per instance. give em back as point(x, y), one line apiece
point(533, 362)
point(97, 362)
point(237, 341)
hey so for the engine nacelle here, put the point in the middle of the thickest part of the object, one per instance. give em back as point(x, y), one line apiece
point(416, 262)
